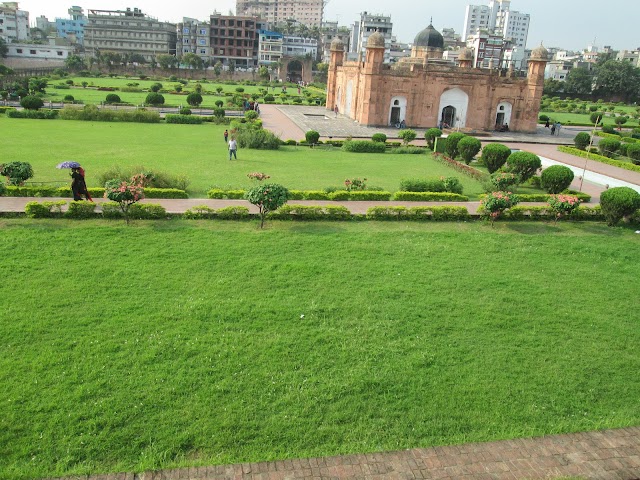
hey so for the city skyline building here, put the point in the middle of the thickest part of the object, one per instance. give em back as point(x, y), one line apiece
point(307, 12)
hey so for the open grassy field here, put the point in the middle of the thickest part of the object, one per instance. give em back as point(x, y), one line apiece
point(177, 343)
point(568, 118)
point(199, 152)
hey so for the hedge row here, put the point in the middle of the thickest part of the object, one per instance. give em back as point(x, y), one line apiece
point(183, 119)
point(98, 192)
point(311, 212)
point(43, 114)
point(544, 197)
point(461, 167)
point(618, 137)
point(599, 158)
point(418, 213)
point(522, 212)
point(343, 195)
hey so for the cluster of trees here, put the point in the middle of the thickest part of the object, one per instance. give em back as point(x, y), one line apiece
point(609, 78)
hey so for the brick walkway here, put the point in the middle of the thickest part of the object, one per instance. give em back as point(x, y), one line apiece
point(601, 455)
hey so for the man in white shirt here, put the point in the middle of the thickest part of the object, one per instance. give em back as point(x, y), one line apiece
point(233, 146)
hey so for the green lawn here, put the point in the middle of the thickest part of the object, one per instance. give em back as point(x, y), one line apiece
point(199, 152)
point(568, 118)
point(177, 343)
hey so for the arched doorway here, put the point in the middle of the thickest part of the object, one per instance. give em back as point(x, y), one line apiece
point(294, 71)
point(448, 118)
point(503, 114)
point(348, 99)
point(456, 102)
point(397, 110)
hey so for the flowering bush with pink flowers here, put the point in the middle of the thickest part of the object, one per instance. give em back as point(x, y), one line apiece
point(354, 184)
point(495, 203)
point(504, 180)
point(124, 193)
point(258, 176)
point(563, 204)
point(267, 197)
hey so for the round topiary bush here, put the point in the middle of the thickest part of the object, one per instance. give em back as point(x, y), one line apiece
point(618, 203)
point(595, 117)
point(451, 147)
point(633, 152)
point(112, 98)
point(69, 98)
point(31, 102)
point(468, 148)
point(194, 99)
point(582, 140)
point(219, 103)
point(185, 111)
point(608, 129)
point(251, 115)
point(556, 178)
point(156, 87)
point(269, 98)
point(544, 118)
point(494, 156)
point(430, 136)
point(379, 137)
point(154, 98)
point(239, 89)
point(312, 137)
point(523, 164)
point(16, 172)
point(608, 147)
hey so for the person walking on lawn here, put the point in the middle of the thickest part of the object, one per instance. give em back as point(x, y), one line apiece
point(233, 146)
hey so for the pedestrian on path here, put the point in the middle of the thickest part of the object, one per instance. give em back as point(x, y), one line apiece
point(226, 136)
point(558, 126)
point(78, 185)
point(553, 129)
point(546, 124)
point(233, 146)
point(335, 110)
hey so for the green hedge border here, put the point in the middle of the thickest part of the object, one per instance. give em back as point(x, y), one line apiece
point(98, 192)
point(343, 195)
point(599, 158)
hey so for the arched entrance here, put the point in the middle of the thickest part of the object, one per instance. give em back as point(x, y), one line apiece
point(503, 114)
point(453, 105)
point(397, 110)
point(294, 71)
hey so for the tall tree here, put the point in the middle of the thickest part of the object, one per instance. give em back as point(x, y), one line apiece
point(192, 60)
point(75, 63)
point(3, 48)
point(579, 80)
point(621, 79)
point(167, 61)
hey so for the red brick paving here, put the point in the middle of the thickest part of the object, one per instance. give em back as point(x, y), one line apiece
point(599, 455)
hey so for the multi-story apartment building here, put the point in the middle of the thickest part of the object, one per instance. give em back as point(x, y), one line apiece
point(632, 56)
point(296, 46)
point(194, 36)
point(365, 27)
point(43, 24)
point(269, 47)
point(14, 23)
point(128, 31)
point(72, 27)
point(234, 39)
point(497, 18)
point(488, 49)
point(307, 12)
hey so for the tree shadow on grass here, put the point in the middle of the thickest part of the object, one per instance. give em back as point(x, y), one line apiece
point(533, 228)
point(316, 228)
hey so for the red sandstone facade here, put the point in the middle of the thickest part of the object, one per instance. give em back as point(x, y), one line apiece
point(426, 92)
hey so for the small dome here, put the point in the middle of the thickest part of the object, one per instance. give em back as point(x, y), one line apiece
point(376, 40)
point(337, 44)
point(429, 37)
point(540, 54)
point(466, 54)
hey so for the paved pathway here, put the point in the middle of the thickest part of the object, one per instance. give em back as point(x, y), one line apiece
point(601, 455)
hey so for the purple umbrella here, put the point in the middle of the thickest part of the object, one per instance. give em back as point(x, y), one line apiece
point(68, 164)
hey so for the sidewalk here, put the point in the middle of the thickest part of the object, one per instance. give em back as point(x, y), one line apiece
point(601, 455)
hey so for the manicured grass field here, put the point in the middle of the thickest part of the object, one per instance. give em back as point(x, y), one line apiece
point(567, 118)
point(177, 343)
point(199, 152)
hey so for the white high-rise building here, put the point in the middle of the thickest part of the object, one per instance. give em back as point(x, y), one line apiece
point(14, 23)
point(307, 12)
point(365, 27)
point(497, 18)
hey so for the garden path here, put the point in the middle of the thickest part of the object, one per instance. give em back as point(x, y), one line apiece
point(601, 455)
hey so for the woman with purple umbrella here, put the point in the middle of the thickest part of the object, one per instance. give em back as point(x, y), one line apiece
point(78, 184)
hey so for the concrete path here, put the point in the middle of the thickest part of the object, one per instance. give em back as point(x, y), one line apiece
point(601, 455)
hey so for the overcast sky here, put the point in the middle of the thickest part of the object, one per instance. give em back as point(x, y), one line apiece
point(569, 24)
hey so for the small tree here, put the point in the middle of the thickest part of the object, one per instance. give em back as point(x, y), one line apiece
point(31, 102)
point(154, 98)
point(431, 135)
point(219, 90)
point(621, 120)
point(112, 98)
point(379, 137)
point(468, 148)
point(218, 112)
point(124, 194)
point(582, 140)
point(197, 88)
point(451, 147)
point(608, 147)
point(556, 178)
point(523, 164)
point(194, 99)
point(494, 156)
point(563, 205)
point(618, 203)
point(312, 137)
point(267, 198)
point(495, 203)
point(16, 172)
point(595, 117)
point(156, 87)
point(407, 136)
point(501, 181)
point(69, 98)
point(178, 87)
point(633, 152)
point(251, 115)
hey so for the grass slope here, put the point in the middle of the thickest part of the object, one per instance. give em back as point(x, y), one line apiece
point(179, 343)
point(199, 152)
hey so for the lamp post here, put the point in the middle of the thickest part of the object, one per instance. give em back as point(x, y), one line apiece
point(584, 170)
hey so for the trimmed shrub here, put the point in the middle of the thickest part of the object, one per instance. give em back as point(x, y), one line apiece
point(183, 119)
point(468, 148)
point(185, 111)
point(429, 197)
point(361, 195)
point(608, 129)
point(43, 114)
point(315, 195)
point(69, 98)
point(410, 150)
point(451, 145)
point(422, 185)
point(618, 203)
point(417, 213)
point(154, 98)
point(194, 99)
point(156, 87)
point(544, 118)
point(582, 140)
point(556, 178)
point(523, 164)
point(430, 136)
point(258, 139)
point(633, 152)
point(595, 116)
point(147, 211)
point(594, 156)
point(608, 147)
point(501, 181)
point(112, 98)
point(31, 102)
point(312, 137)
point(44, 209)
point(379, 137)
point(363, 146)
point(16, 172)
point(199, 212)
point(81, 210)
point(453, 185)
point(407, 136)
point(494, 156)
point(233, 212)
